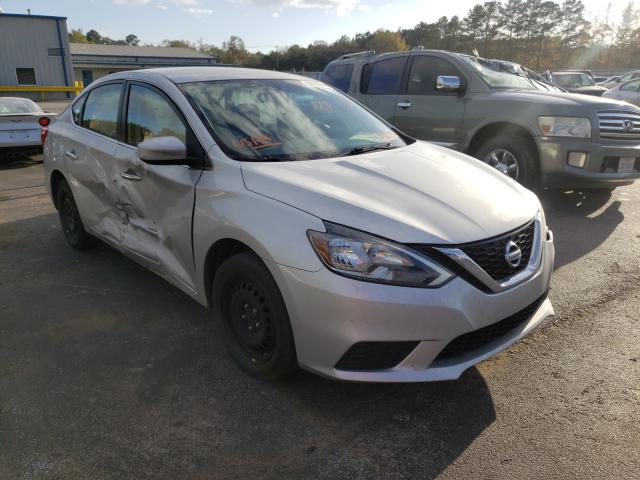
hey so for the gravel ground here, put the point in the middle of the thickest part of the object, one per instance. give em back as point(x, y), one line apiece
point(108, 372)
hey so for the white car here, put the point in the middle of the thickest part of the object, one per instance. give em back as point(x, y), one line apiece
point(618, 80)
point(21, 125)
point(318, 235)
point(628, 92)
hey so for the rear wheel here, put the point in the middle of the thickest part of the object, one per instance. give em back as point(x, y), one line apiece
point(70, 220)
point(253, 319)
point(511, 155)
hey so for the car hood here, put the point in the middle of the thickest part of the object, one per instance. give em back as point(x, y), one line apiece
point(561, 99)
point(421, 193)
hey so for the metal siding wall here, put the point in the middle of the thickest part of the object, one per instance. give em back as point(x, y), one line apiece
point(24, 42)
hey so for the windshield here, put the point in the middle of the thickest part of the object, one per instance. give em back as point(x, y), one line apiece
point(18, 105)
point(272, 120)
point(501, 74)
point(573, 80)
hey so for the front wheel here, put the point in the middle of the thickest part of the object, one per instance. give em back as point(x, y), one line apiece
point(253, 319)
point(511, 155)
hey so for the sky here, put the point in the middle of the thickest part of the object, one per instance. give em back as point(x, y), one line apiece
point(262, 24)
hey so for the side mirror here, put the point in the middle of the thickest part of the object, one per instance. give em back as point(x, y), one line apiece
point(448, 83)
point(163, 151)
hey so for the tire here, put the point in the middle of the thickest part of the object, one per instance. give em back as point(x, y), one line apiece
point(526, 172)
point(252, 318)
point(70, 220)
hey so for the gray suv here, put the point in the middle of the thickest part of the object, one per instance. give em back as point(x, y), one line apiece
point(499, 115)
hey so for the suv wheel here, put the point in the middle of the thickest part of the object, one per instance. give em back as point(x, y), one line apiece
point(70, 220)
point(512, 156)
point(253, 318)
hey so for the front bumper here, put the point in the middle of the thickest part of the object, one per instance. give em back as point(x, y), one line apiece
point(556, 173)
point(330, 313)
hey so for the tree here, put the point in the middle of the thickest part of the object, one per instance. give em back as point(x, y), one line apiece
point(386, 41)
point(93, 37)
point(177, 43)
point(573, 30)
point(132, 40)
point(77, 36)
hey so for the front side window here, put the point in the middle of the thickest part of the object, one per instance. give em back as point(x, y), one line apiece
point(150, 115)
point(383, 77)
point(26, 76)
point(276, 120)
point(424, 74)
point(339, 76)
point(76, 109)
point(101, 110)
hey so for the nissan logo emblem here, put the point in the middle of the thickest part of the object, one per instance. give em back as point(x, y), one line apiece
point(512, 254)
point(627, 126)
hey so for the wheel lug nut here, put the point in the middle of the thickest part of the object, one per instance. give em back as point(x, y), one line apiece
point(257, 324)
point(251, 328)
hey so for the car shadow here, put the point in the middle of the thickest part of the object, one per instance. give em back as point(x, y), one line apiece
point(18, 161)
point(586, 217)
point(98, 351)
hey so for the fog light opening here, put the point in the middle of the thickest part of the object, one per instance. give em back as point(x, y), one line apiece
point(577, 159)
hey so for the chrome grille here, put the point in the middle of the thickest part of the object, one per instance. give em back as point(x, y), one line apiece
point(613, 122)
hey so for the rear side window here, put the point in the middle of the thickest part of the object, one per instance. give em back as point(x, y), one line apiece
point(101, 110)
point(424, 74)
point(383, 77)
point(150, 115)
point(339, 76)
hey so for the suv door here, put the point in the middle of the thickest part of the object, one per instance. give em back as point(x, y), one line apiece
point(88, 150)
point(156, 201)
point(380, 84)
point(426, 113)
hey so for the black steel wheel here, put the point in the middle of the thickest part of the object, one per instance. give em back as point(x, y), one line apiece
point(70, 220)
point(252, 317)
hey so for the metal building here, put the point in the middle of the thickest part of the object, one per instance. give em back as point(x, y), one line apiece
point(34, 50)
point(92, 61)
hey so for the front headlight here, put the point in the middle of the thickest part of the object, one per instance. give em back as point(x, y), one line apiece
point(362, 256)
point(565, 127)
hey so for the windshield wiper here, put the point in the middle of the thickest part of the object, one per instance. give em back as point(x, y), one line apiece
point(368, 148)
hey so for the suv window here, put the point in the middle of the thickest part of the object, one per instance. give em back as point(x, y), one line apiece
point(151, 115)
point(339, 76)
point(382, 77)
point(424, 74)
point(101, 110)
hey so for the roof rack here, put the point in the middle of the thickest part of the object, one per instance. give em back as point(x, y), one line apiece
point(368, 53)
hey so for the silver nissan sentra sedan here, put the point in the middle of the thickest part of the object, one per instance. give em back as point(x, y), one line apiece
point(319, 236)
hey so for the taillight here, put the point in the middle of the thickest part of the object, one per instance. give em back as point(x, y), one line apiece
point(44, 121)
point(43, 135)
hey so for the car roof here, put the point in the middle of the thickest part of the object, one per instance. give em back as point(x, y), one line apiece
point(209, 73)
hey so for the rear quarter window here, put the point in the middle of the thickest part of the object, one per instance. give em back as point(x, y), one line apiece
point(339, 76)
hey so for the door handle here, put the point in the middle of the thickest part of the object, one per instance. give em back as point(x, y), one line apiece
point(405, 104)
point(130, 176)
point(71, 154)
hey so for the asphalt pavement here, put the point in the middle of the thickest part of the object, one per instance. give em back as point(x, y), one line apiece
point(108, 372)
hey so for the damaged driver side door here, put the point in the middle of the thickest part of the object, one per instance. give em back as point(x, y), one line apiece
point(156, 200)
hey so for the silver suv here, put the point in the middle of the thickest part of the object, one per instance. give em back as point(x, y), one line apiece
point(497, 114)
point(318, 235)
